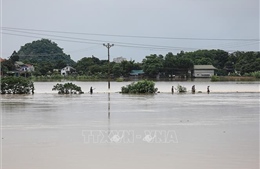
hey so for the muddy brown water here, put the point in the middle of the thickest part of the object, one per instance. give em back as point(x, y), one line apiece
point(198, 131)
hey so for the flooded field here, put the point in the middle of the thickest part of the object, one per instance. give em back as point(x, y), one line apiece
point(219, 130)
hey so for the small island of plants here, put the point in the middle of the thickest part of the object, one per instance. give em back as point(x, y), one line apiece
point(16, 85)
point(181, 89)
point(67, 88)
point(140, 87)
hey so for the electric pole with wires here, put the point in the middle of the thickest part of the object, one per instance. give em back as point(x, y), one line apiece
point(108, 46)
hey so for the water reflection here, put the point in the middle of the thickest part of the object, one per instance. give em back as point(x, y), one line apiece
point(108, 112)
point(108, 107)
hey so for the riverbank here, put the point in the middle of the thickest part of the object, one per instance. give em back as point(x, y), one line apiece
point(103, 79)
point(163, 86)
point(233, 78)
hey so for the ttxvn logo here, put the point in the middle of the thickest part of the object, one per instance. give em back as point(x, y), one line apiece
point(129, 136)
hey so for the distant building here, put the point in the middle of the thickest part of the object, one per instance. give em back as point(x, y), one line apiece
point(26, 68)
point(119, 59)
point(136, 72)
point(56, 70)
point(1, 59)
point(67, 71)
point(18, 65)
point(21, 67)
point(203, 70)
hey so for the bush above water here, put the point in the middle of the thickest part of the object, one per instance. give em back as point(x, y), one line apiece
point(181, 89)
point(255, 74)
point(144, 86)
point(16, 85)
point(67, 88)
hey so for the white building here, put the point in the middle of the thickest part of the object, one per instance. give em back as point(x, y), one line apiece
point(203, 70)
point(67, 70)
point(21, 67)
point(119, 59)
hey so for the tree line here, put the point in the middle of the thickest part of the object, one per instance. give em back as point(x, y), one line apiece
point(46, 56)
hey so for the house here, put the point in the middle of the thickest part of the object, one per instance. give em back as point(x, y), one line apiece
point(119, 59)
point(56, 70)
point(22, 69)
point(203, 70)
point(26, 68)
point(1, 60)
point(67, 71)
point(18, 65)
point(136, 72)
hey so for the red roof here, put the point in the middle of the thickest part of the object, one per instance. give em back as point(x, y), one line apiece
point(1, 60)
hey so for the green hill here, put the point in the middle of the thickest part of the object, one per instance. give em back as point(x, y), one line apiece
point(45, 55)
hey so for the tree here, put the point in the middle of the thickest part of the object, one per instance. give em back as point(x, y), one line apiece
point(181, 89)
point(203, 61)
point(60, 64)
point(144, 86)
point(14, 57)
point(16, 85)
point(247, 62)
point(88, 65)
point(169, 64)
point(117, 70)
point(184, 65)
point(128, 66)
point(220, 58)
point(152, 65)
point(44, 68)
point(6, 66)
point(67, 88)
point(94, 69)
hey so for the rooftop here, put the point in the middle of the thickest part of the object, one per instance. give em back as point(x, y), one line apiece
point(1, 59)
point(204, 67)
point(19, 63)
point(136, 72)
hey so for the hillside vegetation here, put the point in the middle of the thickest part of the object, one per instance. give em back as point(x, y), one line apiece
point(46, 56)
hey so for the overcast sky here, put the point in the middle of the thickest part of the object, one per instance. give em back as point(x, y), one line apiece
point(189, 25)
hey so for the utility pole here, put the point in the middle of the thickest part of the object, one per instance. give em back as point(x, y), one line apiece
point(108, 46)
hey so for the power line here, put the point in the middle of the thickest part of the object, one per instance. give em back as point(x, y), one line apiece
point(108, 46)
point(123, 44)
point(51, 38)
point(82, 40)
point(119, 44)
point(137, 36)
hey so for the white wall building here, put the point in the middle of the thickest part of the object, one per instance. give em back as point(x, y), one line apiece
point(203, 70)
point(67, 70)
point(119, 59)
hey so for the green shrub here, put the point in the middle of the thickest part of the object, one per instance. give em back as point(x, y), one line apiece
point(67, 88)
point(234, 74)
point(56, 76)
point(16, 85)
point(120, 79)
point(144, 86)
point(255, 74)
point(215, 78)
point(181, 89)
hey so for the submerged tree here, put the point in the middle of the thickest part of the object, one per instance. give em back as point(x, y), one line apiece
point(67, 88)
point(181, 89)
point(16, 85)
point(144, 86)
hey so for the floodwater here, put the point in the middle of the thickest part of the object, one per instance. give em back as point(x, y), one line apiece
point(219, 130)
